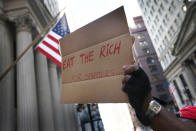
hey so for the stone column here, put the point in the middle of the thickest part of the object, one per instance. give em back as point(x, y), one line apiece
point(27, 112)
point(44, 94)
point(71, 123)
point(181, 88)
point(55, 91)
point(191, 80)
point(7, 85)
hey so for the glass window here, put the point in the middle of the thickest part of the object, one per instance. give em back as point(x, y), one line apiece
point(153, 68)
point(166, 1)
point(143, 43)
point(163, 60)
point(161, 48)
point(173, 4)
point(169, 32)
point(147, 3)
point(164, 22)
point(172, 29)
point(155, 22)
point(166, 17)
point(155, 1)
point(159, 32)
point(152, 32)
point(140, 36)
point(157, 18)
point(149, 18)
point(160, 88)
point(161, 29)
point(166, 40)
point(139, 26)
point(162, 7)
point(157, 38)
point(142, 2)
point(148, 22)
point(150, 60)
point(171, 10)
point(179, 17)
point(160, 12)
point(146, 50)
point(163, 41)
point(176, 22)
point(153, 9)
point(153, 27)
point(166, 60)
point(145, 10)
point(170, 55)
point(151, 13)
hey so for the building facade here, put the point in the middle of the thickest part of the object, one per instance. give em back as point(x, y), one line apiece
point(30, 92)
point(52, 6)
point(182, 71)
point(146, 57)
point(162, 19)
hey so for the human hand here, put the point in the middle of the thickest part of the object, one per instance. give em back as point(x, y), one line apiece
point(137, 86)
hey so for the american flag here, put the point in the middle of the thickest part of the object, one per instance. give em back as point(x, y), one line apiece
point(50, 46)
point(171, 88)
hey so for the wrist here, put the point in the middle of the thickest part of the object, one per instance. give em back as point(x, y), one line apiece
point(153, 109)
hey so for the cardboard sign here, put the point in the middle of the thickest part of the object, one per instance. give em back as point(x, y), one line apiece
point(92, 62)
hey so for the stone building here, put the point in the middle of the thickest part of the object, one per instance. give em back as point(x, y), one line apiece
point(146, 57)
point(30, 92)
point(162, 19)
point(171, 26)
point(182, 71)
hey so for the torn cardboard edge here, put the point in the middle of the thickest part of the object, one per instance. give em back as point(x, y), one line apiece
point(111, 25)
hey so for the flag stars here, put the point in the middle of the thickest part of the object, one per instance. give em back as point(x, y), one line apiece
point(61, 28)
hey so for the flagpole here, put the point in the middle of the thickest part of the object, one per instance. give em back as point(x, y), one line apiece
point(31, 44)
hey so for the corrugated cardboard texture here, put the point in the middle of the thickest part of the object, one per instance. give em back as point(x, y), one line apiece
point(104, 90)
point(104, 28)
point(93, 57)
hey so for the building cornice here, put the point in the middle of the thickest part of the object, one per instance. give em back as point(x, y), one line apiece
point(187, 32)
point(170, 68)
point(36, 10)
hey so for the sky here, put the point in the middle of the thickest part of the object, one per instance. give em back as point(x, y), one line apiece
point(82, 12)
point(116, 117)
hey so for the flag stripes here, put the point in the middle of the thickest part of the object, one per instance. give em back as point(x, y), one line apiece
point(49, 55)
point(50, 46)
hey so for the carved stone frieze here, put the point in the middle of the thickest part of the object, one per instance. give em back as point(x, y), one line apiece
point(23, 22)
point(2, 15)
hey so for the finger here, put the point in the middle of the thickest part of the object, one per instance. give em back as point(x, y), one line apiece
point(126, 79)
point(130, 68)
